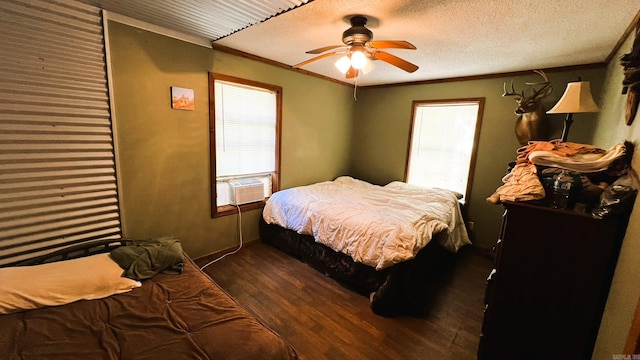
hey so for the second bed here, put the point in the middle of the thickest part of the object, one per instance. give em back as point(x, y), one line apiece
point(391, 241)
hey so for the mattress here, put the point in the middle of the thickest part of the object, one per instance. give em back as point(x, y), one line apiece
point(378, 226)
point(185, 316)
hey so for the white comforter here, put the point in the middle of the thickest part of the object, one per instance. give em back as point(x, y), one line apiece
point(375, 225)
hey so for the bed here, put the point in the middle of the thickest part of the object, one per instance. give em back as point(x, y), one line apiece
point(180, 314)
point(393, 242)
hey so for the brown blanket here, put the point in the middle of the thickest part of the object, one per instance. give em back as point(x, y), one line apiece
point(184, 316)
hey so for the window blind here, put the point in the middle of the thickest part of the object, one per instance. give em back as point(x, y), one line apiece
point(441, 149)
point(57, 165)
point(245, 130)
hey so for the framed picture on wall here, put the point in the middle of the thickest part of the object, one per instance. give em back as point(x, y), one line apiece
point(182, 98)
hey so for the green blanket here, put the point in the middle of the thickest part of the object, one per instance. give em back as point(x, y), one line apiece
point(146, 258)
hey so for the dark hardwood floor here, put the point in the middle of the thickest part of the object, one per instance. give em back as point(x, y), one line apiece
point(322, 319)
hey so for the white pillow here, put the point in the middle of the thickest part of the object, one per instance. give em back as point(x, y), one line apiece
point(62, 282)
point(404, 185)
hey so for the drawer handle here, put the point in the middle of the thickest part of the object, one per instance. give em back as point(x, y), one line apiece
point(495, 247)
point(491, 275)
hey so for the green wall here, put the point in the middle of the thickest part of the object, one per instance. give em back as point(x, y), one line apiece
point(163, 154)
point(625, 290)
point(383, 121)
point(379, 147)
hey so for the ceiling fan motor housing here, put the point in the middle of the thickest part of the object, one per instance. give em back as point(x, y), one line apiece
point(357, 33)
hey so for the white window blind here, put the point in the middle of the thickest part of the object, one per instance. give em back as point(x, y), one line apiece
point(245, 130)
point(245, 136)
point(442, 144)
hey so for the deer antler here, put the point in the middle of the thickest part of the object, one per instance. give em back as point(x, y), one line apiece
point(545, 90)
point(512, 92)
point(544, 76)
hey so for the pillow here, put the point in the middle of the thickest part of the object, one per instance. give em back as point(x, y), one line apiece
point(348, 180)
point(457, 194)
point(404, 185)
point(62, 282)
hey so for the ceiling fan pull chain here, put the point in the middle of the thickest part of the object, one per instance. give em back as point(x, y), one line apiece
point(355, 88)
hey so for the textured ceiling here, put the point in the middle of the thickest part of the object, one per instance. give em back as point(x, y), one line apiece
point(454, 38)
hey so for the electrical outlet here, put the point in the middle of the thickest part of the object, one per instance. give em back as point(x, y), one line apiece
point(470, 225)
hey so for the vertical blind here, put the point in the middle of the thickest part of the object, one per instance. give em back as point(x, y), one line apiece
point(57, 165)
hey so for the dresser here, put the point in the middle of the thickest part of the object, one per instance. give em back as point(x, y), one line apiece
point(546, 293)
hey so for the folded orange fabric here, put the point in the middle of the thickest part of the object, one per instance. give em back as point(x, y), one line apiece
point(556, 147)
point(583, 160)
point(521, 184)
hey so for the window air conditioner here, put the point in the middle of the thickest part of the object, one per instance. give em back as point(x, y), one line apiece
point(248, 191)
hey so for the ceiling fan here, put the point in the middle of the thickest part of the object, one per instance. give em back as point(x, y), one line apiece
point(359, 51)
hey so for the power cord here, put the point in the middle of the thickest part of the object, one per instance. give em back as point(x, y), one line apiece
point(234, 251)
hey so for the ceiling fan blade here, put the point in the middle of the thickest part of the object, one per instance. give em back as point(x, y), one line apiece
point(395, 61)
point(351, 73)
point(315, 59)
point(391, 44)
point(323, 49)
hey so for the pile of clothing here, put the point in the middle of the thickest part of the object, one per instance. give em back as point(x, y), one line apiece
point(143, 259)
point(539, 161)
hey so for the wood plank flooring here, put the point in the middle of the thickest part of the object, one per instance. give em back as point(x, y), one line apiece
point(323, 319)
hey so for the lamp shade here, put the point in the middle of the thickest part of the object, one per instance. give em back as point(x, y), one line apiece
point(576, 99)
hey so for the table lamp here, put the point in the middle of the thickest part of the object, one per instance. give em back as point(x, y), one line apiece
point(576, 99)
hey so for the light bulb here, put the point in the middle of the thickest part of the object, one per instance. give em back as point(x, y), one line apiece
point(368, 66)
point(358, 59)
point(343, 64)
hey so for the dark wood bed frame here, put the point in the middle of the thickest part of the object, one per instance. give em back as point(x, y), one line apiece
point(403, 288)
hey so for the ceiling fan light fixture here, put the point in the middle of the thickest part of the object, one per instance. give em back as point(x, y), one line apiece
point(343, 64)
point(361, 52)
point(358, 60)
point(368, 66)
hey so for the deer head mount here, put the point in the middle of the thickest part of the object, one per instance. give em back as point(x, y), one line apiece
point(531, 123)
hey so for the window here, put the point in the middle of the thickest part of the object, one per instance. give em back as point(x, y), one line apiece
point(442, 144)
point(245, 140)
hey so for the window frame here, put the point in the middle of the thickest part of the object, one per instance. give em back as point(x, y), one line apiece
point(218, 211)
point(476, 138)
